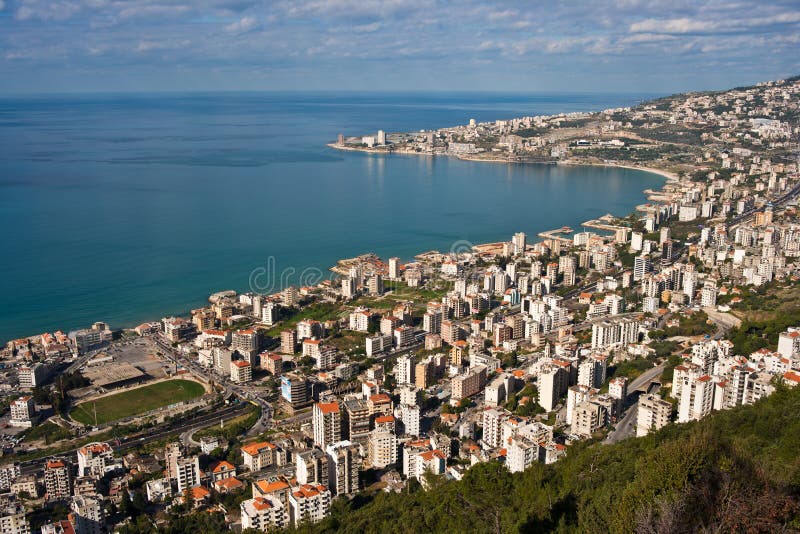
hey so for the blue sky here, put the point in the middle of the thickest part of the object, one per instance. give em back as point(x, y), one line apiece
point(380, 45)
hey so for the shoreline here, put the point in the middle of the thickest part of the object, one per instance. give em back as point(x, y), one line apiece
point(669, 177)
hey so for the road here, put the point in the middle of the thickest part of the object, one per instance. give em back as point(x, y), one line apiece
point(154, 434)
point(724, 321)
point(626, 427)
point(783, 199)
point(240, 390)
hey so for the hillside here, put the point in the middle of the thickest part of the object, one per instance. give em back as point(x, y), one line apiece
point(735, 471)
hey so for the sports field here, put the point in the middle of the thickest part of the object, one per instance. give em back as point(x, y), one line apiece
point(136, 401)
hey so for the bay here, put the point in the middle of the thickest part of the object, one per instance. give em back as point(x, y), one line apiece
point(125, 208)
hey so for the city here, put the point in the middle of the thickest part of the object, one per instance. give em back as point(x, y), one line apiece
point(397, 375)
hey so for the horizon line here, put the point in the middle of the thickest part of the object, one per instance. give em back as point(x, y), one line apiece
point(333, 91)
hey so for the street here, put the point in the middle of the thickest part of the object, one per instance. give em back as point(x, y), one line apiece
point(626, 427)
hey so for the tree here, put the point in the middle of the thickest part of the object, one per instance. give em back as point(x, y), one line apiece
point(126, 507)
point(40, 395)
point(511, 403)
point(139, 501)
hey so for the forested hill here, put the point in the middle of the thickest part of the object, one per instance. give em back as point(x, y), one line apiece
point(734, 471)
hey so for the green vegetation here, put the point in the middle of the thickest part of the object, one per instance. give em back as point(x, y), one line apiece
point(530, 407)
point(683, 230)
point(47, 431)
point(56, 396)
point(324, 311)
point(625, 257)
point(766, 302)
point(232, 427)
point(630, 368)
point(736, 471)
point(64, 446)
point(695, 324)
point(664, 348)
point(202, 521)
point(136, 401)
point(754, 335)
point(669, 368)
point(531, 132)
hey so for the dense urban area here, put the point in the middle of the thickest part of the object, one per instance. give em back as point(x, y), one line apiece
point(637, 374)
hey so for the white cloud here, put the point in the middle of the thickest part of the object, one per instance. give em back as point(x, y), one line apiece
point(684, 25)
point(243, 25)
point(724, 25)
point(367, 28)
point(46, 11)
point(147, 46)
point(152, 11)
point(639, 38)
point(503, 15)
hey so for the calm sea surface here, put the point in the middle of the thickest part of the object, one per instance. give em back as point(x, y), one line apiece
point(127, 208)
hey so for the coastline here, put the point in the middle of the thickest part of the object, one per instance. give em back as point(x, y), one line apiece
point(669, 177)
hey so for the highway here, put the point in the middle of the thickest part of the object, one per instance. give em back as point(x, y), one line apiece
point(626, 427)
point(783, 199)
point(153, 434)
point(243, 392)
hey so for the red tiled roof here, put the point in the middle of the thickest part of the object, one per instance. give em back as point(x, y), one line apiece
point(265, 486)
point(328, 407)
point(255, 448)
point(222, 466)
point(792, 376)
point(380, 398)
point(229, 483)
point(199, 493)
point(260, 503)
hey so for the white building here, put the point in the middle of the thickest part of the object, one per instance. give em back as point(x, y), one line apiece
point(264, 513)
point(521, 453)
point(158, 490)
point(343, 466)
point(241, 372)
point(696, 397)
point(309, 503)
point(12, 518)
point(88, 515)
point(404, 370)
point(327, 424)
point(382, 448)
point(492, 426)
point(409, 414)
point(23, 412)
point(259, 455)
point(394, 268)
point(187, 472)
point(96, 459)
point(652, 413)
point(553, 382)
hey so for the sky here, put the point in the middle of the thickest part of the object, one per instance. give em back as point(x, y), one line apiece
point(395, 45)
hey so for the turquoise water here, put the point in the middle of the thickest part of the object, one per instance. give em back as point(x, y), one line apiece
point(125, 209)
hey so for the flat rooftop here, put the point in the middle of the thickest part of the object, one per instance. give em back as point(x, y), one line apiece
point(105, 375)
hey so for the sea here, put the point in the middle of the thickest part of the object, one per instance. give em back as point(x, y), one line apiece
point(125, 208)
